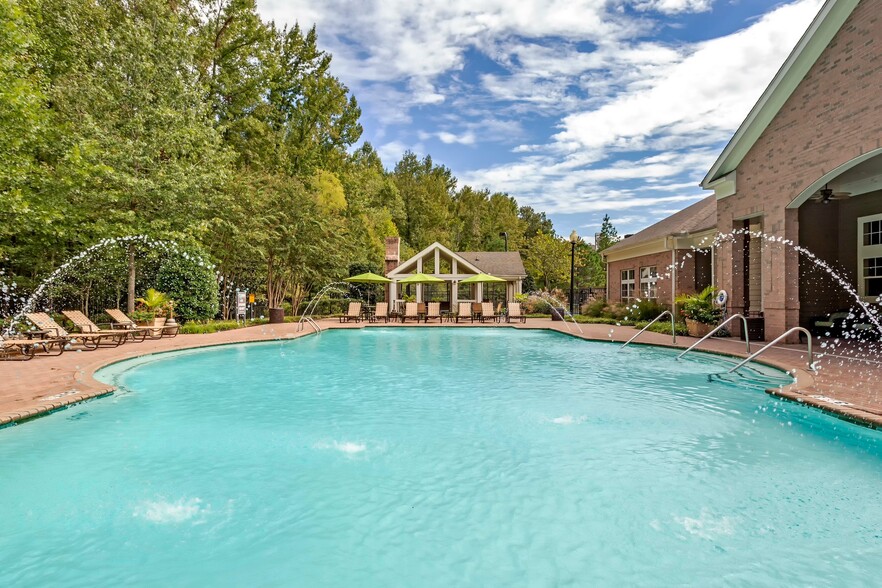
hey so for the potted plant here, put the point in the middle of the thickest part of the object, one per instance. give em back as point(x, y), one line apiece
point(700, 311)
point(152, 308)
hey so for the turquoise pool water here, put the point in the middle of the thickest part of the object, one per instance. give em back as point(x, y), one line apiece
point(437, 457)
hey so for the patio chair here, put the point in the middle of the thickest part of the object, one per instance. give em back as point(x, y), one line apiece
point(25, 349)
point(381, 312)
point(465, 312)
point(84, 325)
point(353, 314)
point(487, 313)
point(434, 311)
point(17, 349)
point(90, 341)
point(515, 313)
point(155, 332)
point(477, 311)
point(411, 310)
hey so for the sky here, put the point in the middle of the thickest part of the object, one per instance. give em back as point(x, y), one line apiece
point(578, 108)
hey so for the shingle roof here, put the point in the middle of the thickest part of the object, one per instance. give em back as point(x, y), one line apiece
point(496, 263)
point(697, 217)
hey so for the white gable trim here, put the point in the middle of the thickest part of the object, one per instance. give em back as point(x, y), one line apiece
point(409, 266)
point(807, 51)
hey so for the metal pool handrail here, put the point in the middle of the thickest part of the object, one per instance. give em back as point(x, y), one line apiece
point(311, 322)
point(793, 330)
point(717, 328)
point(673, 329)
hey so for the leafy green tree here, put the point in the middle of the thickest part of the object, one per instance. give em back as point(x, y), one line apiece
point(608, 234)
point(534, 222)
point(426, 190)
point(22, 121)
point(312, 114)
point(548, 260)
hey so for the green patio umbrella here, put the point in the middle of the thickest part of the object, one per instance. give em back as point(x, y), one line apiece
point(421, 279)
point(482, 278)
point(367, 278)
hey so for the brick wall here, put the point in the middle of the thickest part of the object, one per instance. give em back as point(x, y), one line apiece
point(833, 116)
point(662, 262)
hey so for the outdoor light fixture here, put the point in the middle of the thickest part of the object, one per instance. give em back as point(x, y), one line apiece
point(505, 236)
point(574, 238)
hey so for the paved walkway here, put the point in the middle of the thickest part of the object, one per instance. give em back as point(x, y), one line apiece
point(846, 386)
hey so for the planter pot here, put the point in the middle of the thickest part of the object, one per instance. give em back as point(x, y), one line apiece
point(277, 315)
point(697, 329)
point(558, 314)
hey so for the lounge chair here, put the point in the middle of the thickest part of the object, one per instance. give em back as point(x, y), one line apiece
point(353, 314)
point(514, 312)
point(487, 313)
point(25, 349)
point(381, 312)
point(122, 321)
point(465, 312)
point(84, 325)
point(17, 349)
point(434, 311)
point(411, 310)
point(90, 341)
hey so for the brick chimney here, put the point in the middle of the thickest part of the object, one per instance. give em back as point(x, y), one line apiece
point(392, 253)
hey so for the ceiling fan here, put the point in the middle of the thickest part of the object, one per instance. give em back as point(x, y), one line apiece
point(826, 194)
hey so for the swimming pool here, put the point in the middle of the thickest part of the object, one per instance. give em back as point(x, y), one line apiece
point(437, 457)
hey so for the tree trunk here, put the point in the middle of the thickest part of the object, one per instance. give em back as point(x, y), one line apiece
point(130, 304)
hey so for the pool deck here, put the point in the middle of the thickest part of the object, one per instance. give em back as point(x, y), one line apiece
point(847, 387)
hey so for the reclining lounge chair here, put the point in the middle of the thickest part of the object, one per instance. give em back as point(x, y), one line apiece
point(90, 341)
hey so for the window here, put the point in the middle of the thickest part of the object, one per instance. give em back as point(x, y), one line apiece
point(649, 282)
point(873, 233)
point(872, 276)
point(869, 268)
point(627, 285)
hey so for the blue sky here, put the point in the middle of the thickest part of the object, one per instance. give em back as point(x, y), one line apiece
point(578, 108)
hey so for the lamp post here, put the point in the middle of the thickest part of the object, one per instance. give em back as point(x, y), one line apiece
point(574, 238)
point(504, 235)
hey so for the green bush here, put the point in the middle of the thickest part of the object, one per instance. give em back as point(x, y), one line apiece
point(200, 328)
point(701, 306)
point(595, 308)
point(191, 284)
point(663, 327)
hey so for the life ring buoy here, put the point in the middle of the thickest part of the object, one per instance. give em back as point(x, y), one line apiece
point(721, 298)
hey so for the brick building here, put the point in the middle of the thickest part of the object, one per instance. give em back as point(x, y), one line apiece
point(660, 258)
point(805, 166)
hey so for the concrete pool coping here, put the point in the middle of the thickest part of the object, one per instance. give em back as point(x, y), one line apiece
point(46, 384)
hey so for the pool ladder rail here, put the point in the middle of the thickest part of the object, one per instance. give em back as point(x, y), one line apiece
point(652, 322)
point(811, 363)
point(304, 320)
point(717, 328)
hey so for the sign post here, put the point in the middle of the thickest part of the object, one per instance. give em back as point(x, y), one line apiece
point(241, 304)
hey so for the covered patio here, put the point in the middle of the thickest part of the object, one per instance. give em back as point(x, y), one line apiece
point(453, 268)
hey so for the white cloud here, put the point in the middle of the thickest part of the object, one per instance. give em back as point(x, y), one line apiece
point(636, 121)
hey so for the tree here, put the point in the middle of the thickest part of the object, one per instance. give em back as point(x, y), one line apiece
point(548, 260)
point(139, 154)
point(426, 190)
point(608, 234)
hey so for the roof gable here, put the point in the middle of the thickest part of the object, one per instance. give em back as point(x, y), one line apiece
point(409, 266)
point(807, 51)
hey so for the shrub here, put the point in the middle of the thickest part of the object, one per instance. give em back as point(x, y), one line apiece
point(701, 307)
point(595, 308)
point(191, 284)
